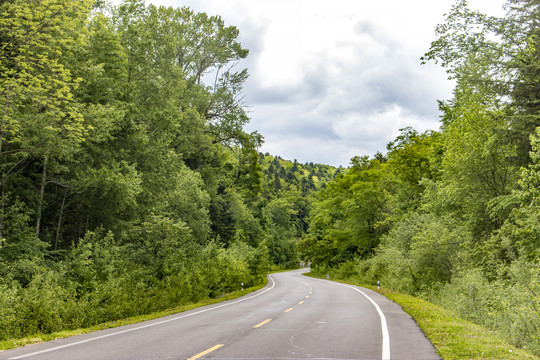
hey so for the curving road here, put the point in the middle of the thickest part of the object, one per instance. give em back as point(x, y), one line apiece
point(294, 317)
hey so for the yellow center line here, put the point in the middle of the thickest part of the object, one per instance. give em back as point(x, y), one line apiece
point(289, 309)
point(307, 296)
point(205, 352)
point(262, 323)
point(301, 302)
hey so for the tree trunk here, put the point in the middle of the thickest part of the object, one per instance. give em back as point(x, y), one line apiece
point(58, 226)
point(41, 194)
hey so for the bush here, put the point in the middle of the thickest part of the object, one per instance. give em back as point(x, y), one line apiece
point(101, 281)
point(510, 307)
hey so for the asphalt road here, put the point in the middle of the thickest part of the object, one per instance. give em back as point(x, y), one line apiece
point(294, 317)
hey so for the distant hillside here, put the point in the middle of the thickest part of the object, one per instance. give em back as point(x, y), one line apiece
point(306, 177)
point(288, 189)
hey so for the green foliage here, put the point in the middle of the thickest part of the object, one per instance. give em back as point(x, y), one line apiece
point(497, 57)
point(287, 195)
point(477, 163)
point(127, 183)
point(282, 242)
point(412, 158)
point(420, 252)
point(350, 214)
point(102, 281)
point(520, 235)
point(509, 306)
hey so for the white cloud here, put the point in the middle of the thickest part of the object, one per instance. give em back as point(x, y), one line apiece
point(303, 148)
point(334, 79)
point(370, 128)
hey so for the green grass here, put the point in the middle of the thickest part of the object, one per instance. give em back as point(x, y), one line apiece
point(454, 337)
point(38, 338)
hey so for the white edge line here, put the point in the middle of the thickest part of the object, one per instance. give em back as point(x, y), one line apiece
point(143, 326)
point(384, 326)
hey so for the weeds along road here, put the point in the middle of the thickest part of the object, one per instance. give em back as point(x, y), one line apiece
point(293, 317)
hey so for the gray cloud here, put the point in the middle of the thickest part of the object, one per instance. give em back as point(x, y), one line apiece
point(354, 109)
point(365, 27)
point(331, 82)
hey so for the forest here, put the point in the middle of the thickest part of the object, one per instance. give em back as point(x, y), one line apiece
point(127, 182)
point(453, 215)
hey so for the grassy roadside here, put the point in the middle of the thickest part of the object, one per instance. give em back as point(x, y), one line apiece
point(454, 338)
point(38, 338)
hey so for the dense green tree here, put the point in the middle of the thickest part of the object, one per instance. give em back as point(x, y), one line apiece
point(282, 241)
point(122, 171)
point(350, 213)
point(41, 123)
point(411, 159)
point(520, 235)
point(477, 165)
point(288, 189)
point(497, 57)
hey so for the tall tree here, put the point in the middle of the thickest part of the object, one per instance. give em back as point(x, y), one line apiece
point(497, 57)
point(41, 121)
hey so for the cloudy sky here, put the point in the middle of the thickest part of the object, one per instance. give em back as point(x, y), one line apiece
point(333, 79)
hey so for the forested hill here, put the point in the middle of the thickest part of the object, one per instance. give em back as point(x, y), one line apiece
point(288, 187)
point(287, 191)
point(127, 183)
point(453, 215)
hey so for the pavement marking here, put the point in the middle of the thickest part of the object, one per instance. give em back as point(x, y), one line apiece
point(145, 326)
point(307, 297)
point(301, 302)
point(384, 326)
point(262, 323)
point(289, 309)
point(201, 354)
